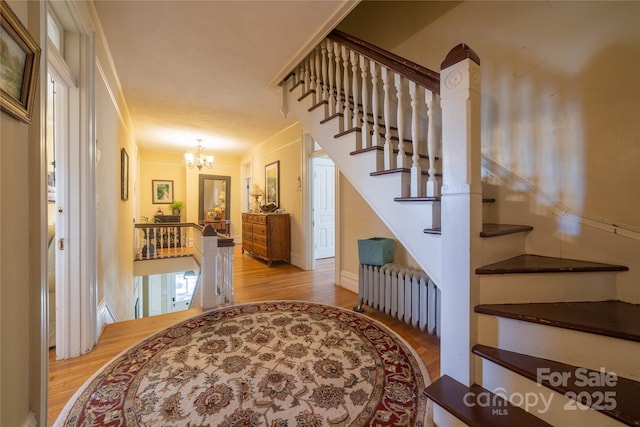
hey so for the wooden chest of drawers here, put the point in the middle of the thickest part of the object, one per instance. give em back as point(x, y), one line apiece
point(267, 236)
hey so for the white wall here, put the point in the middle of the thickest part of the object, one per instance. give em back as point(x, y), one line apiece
point(559, 85)
point(560, 122)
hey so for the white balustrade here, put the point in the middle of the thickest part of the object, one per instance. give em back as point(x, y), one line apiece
point(399, 80)
point(347, 86)
point(332, 93)
point(356, 87)
point(366, 133)
point(389, 159)
point(375, 95)
point(416, 170)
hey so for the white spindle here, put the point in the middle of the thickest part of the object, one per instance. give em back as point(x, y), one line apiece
point(399, 81)
point(355, 87)
point(366, 136)
point(347, 86)
point(375, 132)
point(416, 171)
point(332, 72)
point(310, 87)
point(307, 83)
point(339, 106)
point(432, 184)
point(323, 54)
point(389, 159)
point(318, 70)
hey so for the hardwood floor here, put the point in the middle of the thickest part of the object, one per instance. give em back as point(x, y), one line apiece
point(253, 281)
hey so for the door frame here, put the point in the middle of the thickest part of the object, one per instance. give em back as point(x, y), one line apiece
point(308, 153)
point(76, 299)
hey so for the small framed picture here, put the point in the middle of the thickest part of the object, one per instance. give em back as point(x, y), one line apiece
point(272, 183)
point(18, 67)
point(162, 191)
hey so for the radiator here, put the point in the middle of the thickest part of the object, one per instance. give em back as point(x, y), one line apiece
point(404, 293)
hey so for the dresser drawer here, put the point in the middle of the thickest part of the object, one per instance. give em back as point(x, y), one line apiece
point(247, 228)
point(260, 229)
point(259, 219)
point(259, 250)
point(260, 240)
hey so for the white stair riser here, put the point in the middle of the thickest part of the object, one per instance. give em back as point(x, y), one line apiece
point(542, 402)
point(577, 348)
point(489, 214)
point(546, 287)
point(499, 248)
point(442, 418)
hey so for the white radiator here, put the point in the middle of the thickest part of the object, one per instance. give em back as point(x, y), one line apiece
point(404, 293)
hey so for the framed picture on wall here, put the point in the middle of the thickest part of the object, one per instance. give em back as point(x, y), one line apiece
point(162, 191)
point(272, 183)
point(18, 66)
point(124, 175)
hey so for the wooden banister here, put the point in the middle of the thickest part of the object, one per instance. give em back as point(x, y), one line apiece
point(428, 78)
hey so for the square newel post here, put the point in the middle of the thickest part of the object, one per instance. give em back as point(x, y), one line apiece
point(461, 210)
point(209, 267)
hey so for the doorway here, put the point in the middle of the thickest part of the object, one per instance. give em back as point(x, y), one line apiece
point(324, 207)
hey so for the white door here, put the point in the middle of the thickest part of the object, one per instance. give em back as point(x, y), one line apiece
point(324, 221)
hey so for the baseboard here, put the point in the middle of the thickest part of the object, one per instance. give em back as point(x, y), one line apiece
point(30, 421)
point(349, 281)
point(105, 315)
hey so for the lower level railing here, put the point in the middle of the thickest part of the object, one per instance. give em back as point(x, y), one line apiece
point(214, 255)
point(164, 240)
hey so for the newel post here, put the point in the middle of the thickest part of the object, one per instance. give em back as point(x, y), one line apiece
point(209, 267)
point(461, 210)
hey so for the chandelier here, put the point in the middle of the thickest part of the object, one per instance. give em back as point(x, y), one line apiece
point(199, 160)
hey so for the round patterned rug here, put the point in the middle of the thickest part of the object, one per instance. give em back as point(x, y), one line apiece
point(276, 364)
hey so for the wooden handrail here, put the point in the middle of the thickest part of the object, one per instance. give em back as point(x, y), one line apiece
point(416, 72)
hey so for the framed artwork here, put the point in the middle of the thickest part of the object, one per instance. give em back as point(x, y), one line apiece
point(19, 61)
point(124, 175)
point(162, 191)
point(272, 183)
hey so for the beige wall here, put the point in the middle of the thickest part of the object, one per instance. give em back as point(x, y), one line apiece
point(114, 227)
point(559, 85)
point(163, 166)
point(359, 221)
point(22, 229)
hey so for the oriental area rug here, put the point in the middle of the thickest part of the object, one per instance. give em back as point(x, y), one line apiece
point(275, 364)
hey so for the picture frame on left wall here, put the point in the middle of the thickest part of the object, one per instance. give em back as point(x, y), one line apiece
point(18, 66)
point(162, 191)
point(124, 175)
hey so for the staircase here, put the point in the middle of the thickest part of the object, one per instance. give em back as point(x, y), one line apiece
point(527, 339)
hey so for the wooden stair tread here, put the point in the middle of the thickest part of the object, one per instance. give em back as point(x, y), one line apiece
point(542, 264)
point(492, 230)
point(488, 230)
point(452, 395)
point(416, 199)
point(625, 391)
point(610, 318)
point(432, 231)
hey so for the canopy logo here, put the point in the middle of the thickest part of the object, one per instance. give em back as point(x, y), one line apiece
point(591, 392)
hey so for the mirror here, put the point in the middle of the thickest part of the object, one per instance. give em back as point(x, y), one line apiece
point(213, 201)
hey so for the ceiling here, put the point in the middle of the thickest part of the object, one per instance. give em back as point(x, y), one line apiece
point(209, 69)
